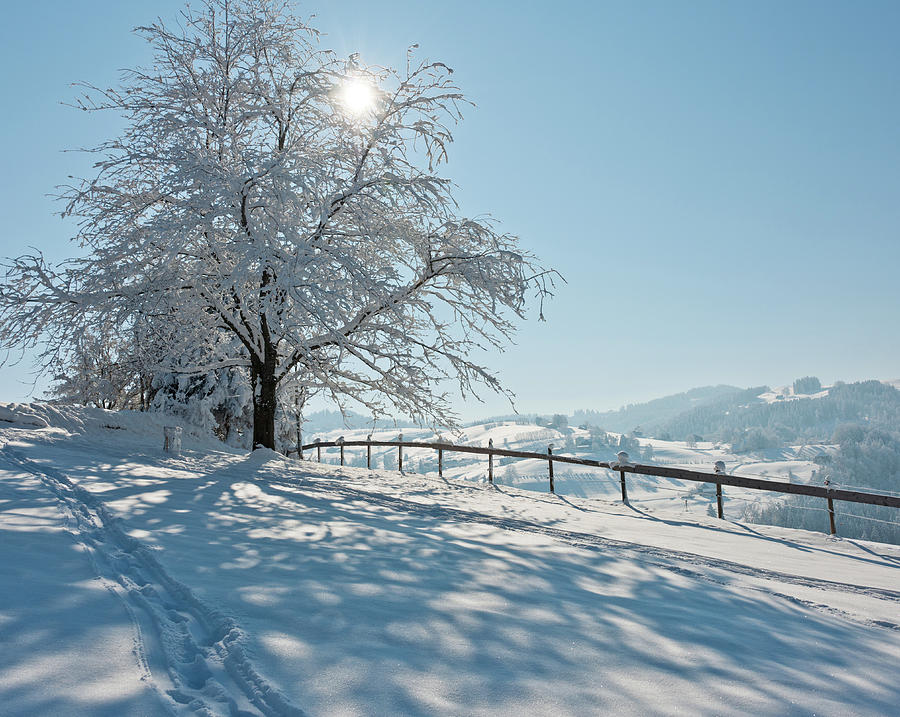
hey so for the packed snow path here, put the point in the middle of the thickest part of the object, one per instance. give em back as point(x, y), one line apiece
point(68, 645)
point(199, 667)
point(350, 592)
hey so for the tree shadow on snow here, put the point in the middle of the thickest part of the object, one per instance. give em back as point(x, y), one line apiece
point(364, 602)
point(373, 604)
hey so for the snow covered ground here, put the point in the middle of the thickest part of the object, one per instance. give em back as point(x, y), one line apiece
point(65, 632)
point(686, 497)
point(780, 394)
point(219, 583)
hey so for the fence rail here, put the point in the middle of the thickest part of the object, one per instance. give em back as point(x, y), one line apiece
point(623, 466)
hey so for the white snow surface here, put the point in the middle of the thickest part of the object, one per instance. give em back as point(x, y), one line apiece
point(217, 583)
point(793, 464)
point(786, 393)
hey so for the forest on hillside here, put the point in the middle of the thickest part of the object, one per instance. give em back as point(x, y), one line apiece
point(804, 420)
point(867, 459)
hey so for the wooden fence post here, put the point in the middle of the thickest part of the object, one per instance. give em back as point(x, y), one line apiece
point(318, 451)
point(341, 442)
point(440, 462)
point(369, 451)
point(550, 467)
point(719, 468)
point(400, 454)
point(490, 462)
point(622, 457)
point(831, 510)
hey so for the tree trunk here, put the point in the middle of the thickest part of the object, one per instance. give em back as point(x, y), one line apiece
point(299, 402)
point(264, 404)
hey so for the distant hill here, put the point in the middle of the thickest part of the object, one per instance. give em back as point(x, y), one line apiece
point(791, 419)
point(749, 418)
point(325, 421)
point(860, 421)
point(653, 414)
point(727, 413)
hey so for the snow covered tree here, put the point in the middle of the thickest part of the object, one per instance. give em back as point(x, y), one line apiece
point(97, 371)
point(107, 367)
point(218, 402)
point(281, 211)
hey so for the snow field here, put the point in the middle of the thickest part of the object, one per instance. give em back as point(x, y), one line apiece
point(349, 591)
point(65, 633)
point(686, 497)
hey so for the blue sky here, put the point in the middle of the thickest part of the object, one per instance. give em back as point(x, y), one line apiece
point(719, 182)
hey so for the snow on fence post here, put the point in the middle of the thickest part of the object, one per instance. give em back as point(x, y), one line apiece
point(318, 450)
point(172, 439)
point(830, 509)
point(400, 453)
point(340, 441)
point(719, 468)
point(369, 451)
point(622, 458)
point(550, 466)
point(490, 461)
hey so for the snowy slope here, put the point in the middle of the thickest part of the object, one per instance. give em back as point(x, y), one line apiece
point(688, 498)
point(786, 393)
point(53, 619)
point(781, 394)
point(260, 585)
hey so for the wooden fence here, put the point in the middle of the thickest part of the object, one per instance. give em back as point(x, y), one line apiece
point(719, 478)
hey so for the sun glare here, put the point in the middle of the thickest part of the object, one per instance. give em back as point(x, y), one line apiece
point(357, 96)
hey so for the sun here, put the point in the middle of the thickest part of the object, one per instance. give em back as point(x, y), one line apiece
point(357, 96)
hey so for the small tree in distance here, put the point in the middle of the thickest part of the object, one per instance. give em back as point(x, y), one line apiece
point(273, 209)
point(807, 385)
